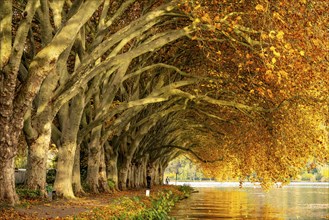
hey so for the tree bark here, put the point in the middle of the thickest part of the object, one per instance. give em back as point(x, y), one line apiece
point(76, 176)
point(37, 154)
point(7, 182)
point(94, 153)
point(123, 172)
point(102, 180)
point(11, 118)
point(39, 142)
point(112, 164)
point(66, 153)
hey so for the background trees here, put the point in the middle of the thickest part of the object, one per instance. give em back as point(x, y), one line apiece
point(123, 87)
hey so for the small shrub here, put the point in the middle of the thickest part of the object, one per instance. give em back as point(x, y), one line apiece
point(111, 184)
point(186, 190)
point(28, 194)
point(318, 177)
point(51, 175)
point(138, 208)
point(308, 177)
point(160, 207)
point(49, 188)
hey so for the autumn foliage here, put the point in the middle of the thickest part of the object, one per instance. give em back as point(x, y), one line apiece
point(273, 55)
point(120, 88)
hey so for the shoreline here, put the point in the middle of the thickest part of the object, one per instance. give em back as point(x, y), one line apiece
point(249, 184)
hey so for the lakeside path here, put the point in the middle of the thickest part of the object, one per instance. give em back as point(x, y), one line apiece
point(67, 209)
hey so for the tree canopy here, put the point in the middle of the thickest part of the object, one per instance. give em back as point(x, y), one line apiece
point(121, 88)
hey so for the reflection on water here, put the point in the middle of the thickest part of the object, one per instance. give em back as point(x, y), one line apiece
point(294, 202)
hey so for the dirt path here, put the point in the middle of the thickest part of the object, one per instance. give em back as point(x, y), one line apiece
point(60, 209)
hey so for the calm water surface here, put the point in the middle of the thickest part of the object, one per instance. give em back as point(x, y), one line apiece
point(231, 202)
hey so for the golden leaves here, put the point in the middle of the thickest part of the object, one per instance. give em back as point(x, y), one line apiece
point(259, 8)
point(280, 35)
point(206, 18)
point(282, 74)
point(273, 60)
point(271, 34)
point(276, 15)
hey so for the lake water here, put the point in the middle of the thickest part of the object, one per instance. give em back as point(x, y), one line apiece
point(228, 201)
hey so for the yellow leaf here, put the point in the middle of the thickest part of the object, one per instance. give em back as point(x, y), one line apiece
point(280, 35)
point(302, 53)
point(263, 36)
point(197, 20)
point(277, 54)
point(278, 16)
point(269, 92)
point(259, 7)
point(268, 72)
point(316, 42)
point(272, 34)
point(206, 18)
point(273, 60)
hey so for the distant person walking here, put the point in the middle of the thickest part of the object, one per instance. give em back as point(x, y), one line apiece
point(167, 180)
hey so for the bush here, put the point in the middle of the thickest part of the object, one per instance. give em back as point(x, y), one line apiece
point(308, 177)
point(139, 208)
point(160, 207)
point(325, 171)
point(111, 184)
point(318, 177)
point(51, 175)
point(186, 190)
point(28, 194)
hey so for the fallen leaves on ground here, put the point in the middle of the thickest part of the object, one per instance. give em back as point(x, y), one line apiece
point(68, 209)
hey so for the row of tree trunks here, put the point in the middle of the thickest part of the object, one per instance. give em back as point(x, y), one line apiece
point(17, 93)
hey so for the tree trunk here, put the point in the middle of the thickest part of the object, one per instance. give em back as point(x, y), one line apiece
point(144, 170)
point(38, 154)
point(94, 153)
point(102, 181)
point(111, 156)
point(131, 179)
point(156, 174)
point(63, 180)
point(137, 175)
point(141, 170)
point(123, 172)
point(66, 153)
point(7, 182)
point(76, 176)
point(160, 174)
